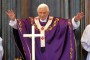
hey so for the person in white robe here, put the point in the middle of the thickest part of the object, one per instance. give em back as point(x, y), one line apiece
point(85, 41)
point(1, 49)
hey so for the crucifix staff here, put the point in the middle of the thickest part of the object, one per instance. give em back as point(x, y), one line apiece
point(33, 35)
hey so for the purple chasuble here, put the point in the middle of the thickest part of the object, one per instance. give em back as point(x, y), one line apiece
point(59, 40)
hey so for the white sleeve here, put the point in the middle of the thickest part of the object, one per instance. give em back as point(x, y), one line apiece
point(1, 49)
point(85, 40)
point(75, 24)
point(13, 23)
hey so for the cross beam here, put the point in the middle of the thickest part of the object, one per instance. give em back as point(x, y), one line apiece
point(33, 35)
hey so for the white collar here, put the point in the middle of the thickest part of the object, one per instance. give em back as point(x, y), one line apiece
point(45, 20)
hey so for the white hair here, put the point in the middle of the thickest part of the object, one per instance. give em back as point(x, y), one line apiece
point(43, 6)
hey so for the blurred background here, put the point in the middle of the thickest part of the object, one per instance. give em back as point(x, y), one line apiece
point(26, 8)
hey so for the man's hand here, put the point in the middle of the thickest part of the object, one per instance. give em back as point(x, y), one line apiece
point(11, 14)
point(79, 16)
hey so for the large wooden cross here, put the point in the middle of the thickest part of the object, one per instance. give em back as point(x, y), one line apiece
point(33, 35)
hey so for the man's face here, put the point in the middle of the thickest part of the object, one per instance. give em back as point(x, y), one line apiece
point(43, 13)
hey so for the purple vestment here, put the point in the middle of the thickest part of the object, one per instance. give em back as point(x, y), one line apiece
point(59, 40)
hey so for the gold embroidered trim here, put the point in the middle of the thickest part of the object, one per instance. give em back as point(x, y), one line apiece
point(20, 26)
point(54, 24)
point(28, 50)
point(20, 51)
point(31, 20)
point(71, 49)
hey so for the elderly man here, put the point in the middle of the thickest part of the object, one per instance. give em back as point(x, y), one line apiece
point(58, 40)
